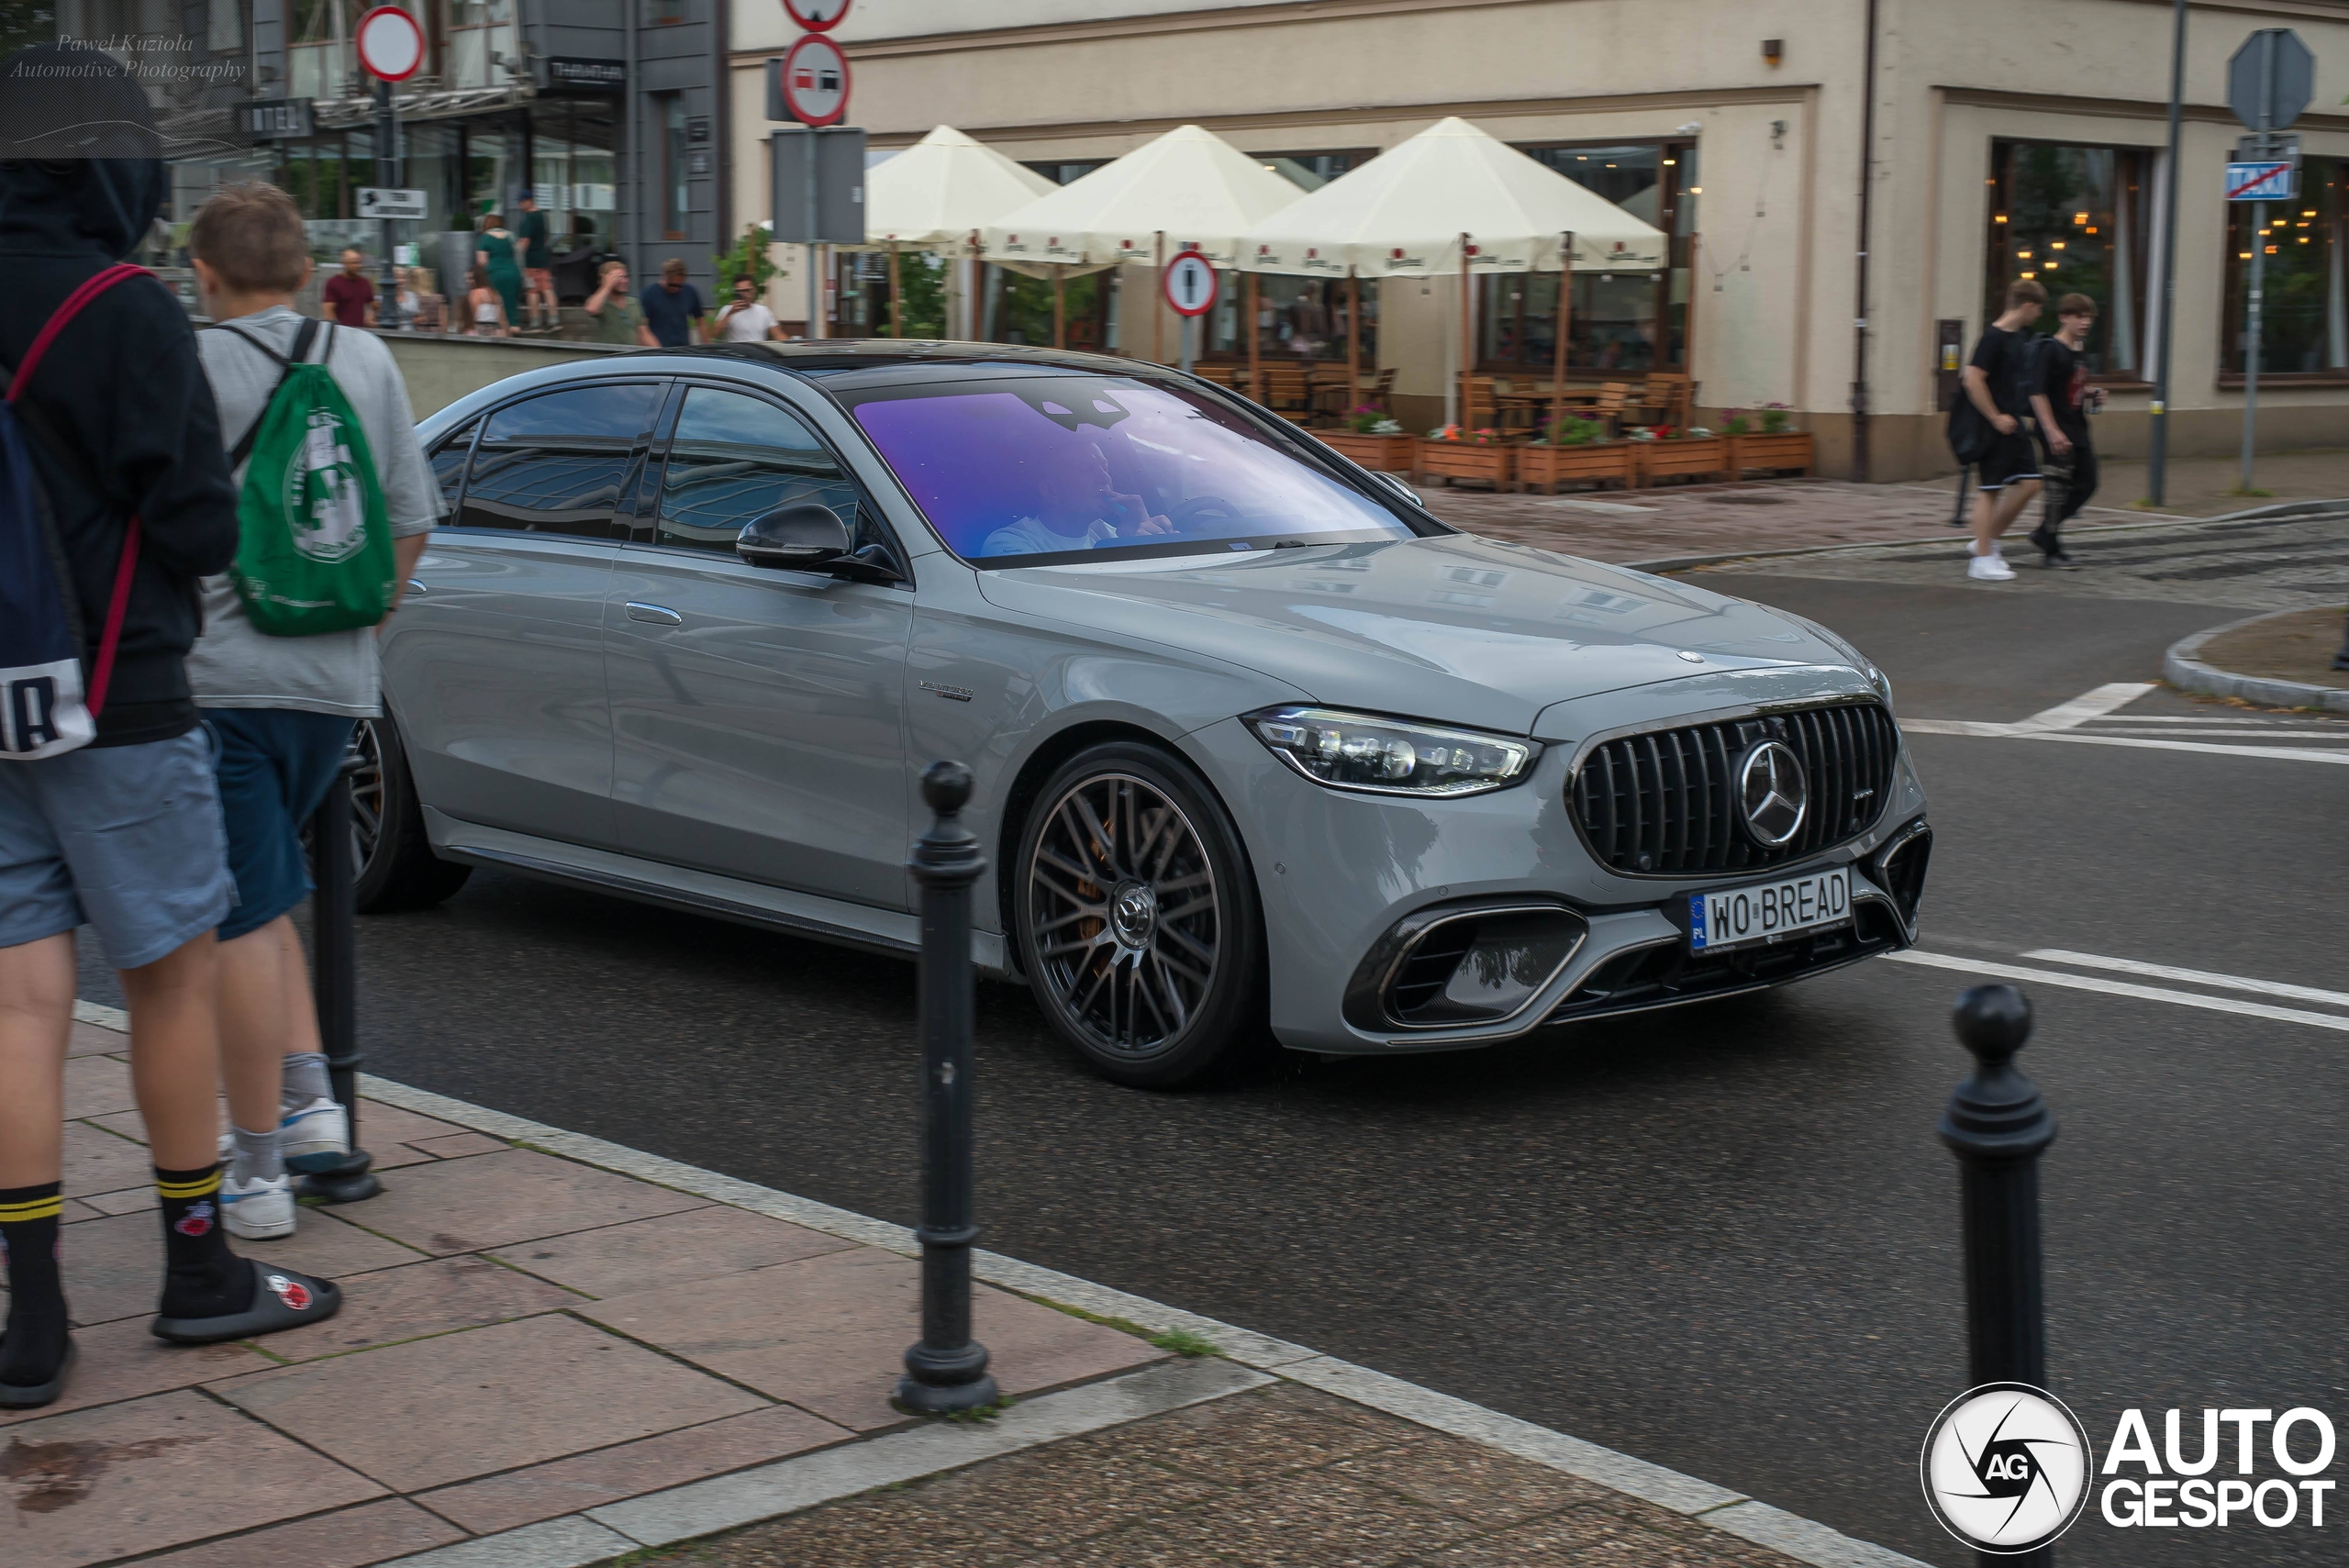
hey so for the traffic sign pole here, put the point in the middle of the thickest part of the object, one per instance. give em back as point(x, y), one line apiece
point(391, 49)
point(2158, 445)
point(387, 172)
point(2252, 335)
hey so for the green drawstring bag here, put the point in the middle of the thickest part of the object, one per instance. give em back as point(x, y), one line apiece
point(314, 545)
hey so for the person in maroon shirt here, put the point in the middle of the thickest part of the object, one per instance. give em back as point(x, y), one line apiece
point(349, 294)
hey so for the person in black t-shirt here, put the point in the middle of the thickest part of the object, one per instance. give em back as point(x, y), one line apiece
point(2062, 399)
point(1995, 379)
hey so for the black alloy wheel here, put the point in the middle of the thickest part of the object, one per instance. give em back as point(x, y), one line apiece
point(1138, 919)
point(397, 869)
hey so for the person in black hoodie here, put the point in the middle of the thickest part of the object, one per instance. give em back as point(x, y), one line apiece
point(123, 834)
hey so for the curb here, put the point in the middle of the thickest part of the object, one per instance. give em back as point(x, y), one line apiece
point(2261, 514)
point(1246, 1360)
point(2181, 669)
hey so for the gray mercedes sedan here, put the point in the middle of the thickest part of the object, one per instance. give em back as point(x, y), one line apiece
point(1260, 747)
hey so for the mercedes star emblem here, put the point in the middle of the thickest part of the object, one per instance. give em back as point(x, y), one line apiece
point(1771, 793)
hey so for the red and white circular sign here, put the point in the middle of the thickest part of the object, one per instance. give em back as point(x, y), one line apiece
point(391, 44)
point(816, 15)
point(815, 81)
point(1190, 285)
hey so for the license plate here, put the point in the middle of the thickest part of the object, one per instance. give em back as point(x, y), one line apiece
point(1769, 911)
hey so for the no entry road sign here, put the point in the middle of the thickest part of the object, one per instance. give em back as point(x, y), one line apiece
point(815, 81)
point(1190, 285)
point(391, 44)
point(2266, 181)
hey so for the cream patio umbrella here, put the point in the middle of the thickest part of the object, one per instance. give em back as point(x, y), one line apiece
point(1449, 195)
point(936, 195)
point(1189, 186)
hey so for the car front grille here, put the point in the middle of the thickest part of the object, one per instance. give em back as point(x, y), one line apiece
point(1665, 803)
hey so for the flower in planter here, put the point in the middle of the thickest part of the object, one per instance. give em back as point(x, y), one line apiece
point(1444, 433)
point(1737, 424)
point(1642, 433)
point(1384, 428)
point(1775, 418)
point(1573, 431)
point(1364, 419)
point(1484, 438)
point(1698, 432)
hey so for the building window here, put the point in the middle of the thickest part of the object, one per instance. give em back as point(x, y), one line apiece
point(675, 197)
point(1067, 173)
point(668, 13)
point(1618, 321)
point(2304, 324)
point(2075, 220)
point(1311, 171)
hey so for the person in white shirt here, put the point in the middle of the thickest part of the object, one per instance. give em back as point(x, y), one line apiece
point(1077, 506)
point(744, 320)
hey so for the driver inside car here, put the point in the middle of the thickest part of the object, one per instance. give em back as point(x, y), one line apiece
point(1077, 506)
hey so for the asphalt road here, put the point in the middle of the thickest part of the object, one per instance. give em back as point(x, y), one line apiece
point(1724, 1238)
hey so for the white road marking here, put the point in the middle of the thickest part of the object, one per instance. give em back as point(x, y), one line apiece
point(2108, 699)
point(2063, 722)
point(2175, 719)
point(2118, 988)
point(2192, 976)
point(2287, 734)
point(2287, 754)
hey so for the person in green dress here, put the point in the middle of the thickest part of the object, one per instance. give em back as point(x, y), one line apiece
point(495, 256)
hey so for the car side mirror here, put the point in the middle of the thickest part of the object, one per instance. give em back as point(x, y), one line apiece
point(800, 537)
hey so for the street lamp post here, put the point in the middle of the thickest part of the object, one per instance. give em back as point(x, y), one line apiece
point(947, 1371)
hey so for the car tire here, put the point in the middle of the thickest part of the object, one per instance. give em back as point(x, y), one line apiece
point(397, 869)
point(1136, 918)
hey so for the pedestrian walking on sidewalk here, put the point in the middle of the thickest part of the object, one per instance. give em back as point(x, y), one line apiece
point(1995, 383)
point(2061, 401)
point(537, 274)
point(280, 705)
point(114, 500)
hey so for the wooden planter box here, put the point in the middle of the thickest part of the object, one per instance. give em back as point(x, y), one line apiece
point(1694, 457)
point(1380, 454)
point(1448, 460)
point(1593, 462)
point(1786, 451)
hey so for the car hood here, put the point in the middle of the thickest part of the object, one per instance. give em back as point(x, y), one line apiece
point(1456, 628)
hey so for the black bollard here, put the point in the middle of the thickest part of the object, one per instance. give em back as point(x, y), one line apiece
point(1999, 1126)
point(334, 917)
point(947, 1371)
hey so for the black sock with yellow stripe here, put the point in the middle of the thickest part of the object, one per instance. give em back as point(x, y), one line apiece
point(201, 1277)
point(36, 1333)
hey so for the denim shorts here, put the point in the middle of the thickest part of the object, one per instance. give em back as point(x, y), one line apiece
point(275, 766)
point(125, 838)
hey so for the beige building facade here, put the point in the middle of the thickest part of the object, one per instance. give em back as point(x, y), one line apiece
point(2011, 137)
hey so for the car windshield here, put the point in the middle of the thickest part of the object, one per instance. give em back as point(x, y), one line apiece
point(1034, 470)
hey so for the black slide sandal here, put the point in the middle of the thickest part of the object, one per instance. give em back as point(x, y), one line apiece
point(282, 1299)
point(33, 1395)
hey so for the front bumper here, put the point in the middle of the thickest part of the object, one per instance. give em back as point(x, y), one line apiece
point(1352, 886)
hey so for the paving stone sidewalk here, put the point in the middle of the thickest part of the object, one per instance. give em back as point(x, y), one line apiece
point(544, 1362)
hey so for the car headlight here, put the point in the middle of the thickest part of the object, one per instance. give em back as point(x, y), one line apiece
point(1391, 756)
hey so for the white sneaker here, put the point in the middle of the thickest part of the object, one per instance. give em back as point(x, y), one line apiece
point(1990, 568)
point(316, 1135)
point(259, 1209)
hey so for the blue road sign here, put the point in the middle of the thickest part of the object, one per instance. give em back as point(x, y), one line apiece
point(2269, 180)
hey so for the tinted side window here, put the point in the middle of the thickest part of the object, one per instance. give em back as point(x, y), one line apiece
point(734, 457)
point(554, 465)
point(449, 464)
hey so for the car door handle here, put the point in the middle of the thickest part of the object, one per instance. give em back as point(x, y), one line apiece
point(659, 615)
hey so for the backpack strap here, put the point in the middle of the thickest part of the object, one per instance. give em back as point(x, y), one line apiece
point(117, 602)
point(302, 341)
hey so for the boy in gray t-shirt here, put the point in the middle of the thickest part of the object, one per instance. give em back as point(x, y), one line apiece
point(280, 708)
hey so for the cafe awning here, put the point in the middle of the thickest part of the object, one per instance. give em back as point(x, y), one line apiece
point(1190, 185)
point(1403, 214)
point(935, 192)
